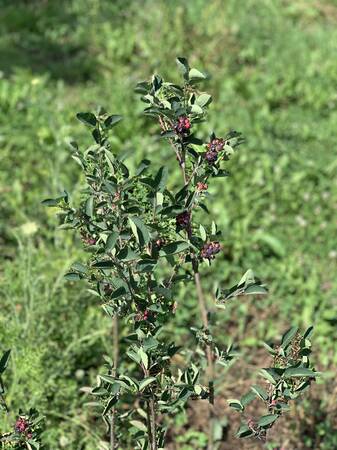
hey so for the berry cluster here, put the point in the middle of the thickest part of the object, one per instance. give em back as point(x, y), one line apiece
point(22, 427)
point(183, 126)
point(183, 219)
point(213, 148)
point(87, 239)
point(142, 316)
point(209, 250)
point(202, 186)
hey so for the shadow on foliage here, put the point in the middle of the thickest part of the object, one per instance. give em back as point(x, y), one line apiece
point(53, 37)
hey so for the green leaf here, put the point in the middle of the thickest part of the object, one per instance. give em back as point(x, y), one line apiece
point(112, 120)
point(131, 382)
point(198, 389)
point(143, 357)
point(288, 336)
point(89, 206)
point(111, 241)
point(260, 392)
point(146, 382)
point(300, 372)
point(247, 278)
point(126, 254)
point(159, 199)
point(308, 333)
point(134, 356)
point(168, 134)
point(235, 404)
point(303, 386)
point(196, 75)
point(196, 109)
point(79, 267)
point(146, 265)
point(244, 431)
point(150, 343)
point(203, 234)
point(118, 292)
point(140, 231)
point(111, 402)
point(87, 118)
point(267, 420)
point(138, 424)
point(55, 201)
point(78, 160)
point(269, 348)
point(105, 264)
point(268, 376)
point(204, 100)
point(174, 247)
point(144, 164)
point(72, 276)
point(248, 285)
point(4, 361)
point(183, 66)
point(247, 398)
point(108, 379)
point(50, 202)
point(161, 179)
point(255, 290)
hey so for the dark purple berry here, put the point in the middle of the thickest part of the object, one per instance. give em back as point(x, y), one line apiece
point(213, 148)
point(210, 249)
point(183, 219)
point(211, 156)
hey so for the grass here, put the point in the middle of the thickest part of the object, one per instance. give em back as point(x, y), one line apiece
point(273, 76)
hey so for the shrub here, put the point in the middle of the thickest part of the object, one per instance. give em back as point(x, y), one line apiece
point(27, 428)
point(144, 238)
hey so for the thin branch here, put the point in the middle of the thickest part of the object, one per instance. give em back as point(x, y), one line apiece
point(153, 424)
point(113, 439)
point(209, 355)
point(200, 295)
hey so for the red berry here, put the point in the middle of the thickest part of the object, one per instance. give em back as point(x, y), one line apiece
point(202, 186)
point(183, 126)
point(87, 239)
point(21, 425)
point(142, 316)
point(159, 243)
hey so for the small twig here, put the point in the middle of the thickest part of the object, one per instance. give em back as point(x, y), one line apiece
point(153, 426)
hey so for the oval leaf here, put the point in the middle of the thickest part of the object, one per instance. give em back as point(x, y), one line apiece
point(267, 420)
point(87, 118)
point(173, 248)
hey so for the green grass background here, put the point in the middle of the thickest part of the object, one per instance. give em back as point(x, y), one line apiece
point(273, 70)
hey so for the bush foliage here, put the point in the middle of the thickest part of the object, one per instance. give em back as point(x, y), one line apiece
point(273, 76)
